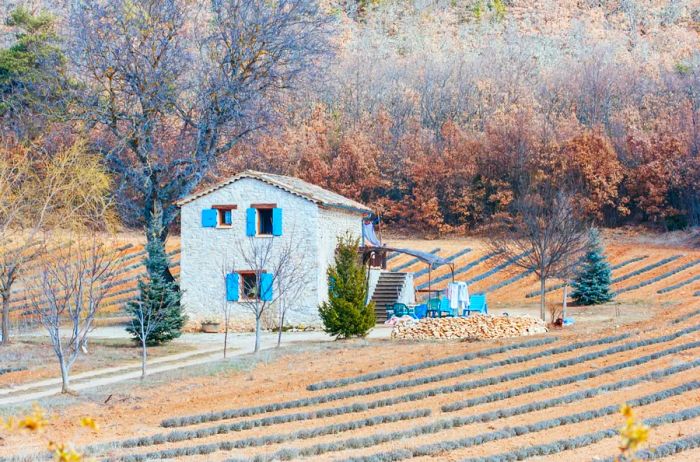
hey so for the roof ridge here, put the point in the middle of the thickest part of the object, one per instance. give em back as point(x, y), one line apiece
point(304, 189)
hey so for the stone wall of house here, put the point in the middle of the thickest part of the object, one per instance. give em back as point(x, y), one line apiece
point(334, 224)
point(208, 253)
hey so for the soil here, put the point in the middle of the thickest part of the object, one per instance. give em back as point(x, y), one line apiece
point(136, 410)
point(37, 356)
point(133, 409)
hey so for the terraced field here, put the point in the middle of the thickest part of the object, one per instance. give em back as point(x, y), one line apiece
point(553, 397)
point(658, 273)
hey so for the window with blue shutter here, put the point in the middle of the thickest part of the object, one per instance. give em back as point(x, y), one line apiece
point(209, 218)
point(232, 287)
point(266, 287)
point(227, 218)
point(276, 222)
point(250, 222)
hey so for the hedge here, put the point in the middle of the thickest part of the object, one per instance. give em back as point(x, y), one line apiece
point(685, 317)
point(532, 388)
point(665, 275)
point(460, 270)
point(663, 450)
point(257, 441)
point(509, 281)
point(427, 364)
point(679, 285)
point(575, 396)
point(470, 369)
point(114, 283)
point(584, 440)
point(7, 370)
point(272, 407)
point(446, 424)
point(497, 268)
point(629, 262)
point(414, 396)
point(646, 268)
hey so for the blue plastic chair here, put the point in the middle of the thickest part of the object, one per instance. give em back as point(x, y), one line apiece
point(445, 307)
point(420, 311)
point(401, 309)
point(433, 307)
point(477, 304)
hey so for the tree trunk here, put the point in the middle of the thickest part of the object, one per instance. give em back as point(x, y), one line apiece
point(543, 312)
point(144, 357)
point(279, 330)
point(157, 228)
point(257, 333)
point(64, 376)
point(564, 301)
point(225, 338)
point(5, 319)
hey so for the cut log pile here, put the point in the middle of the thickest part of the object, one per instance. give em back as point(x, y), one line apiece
point(471, 327)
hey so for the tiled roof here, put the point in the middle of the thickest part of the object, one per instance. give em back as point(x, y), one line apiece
point(295, 186)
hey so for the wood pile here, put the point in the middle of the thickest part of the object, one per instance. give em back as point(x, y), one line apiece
point(471, 327)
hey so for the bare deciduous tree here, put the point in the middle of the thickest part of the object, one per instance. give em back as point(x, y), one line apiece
point(226, 305)
point(145, 319)
point(68, 292)
point(545, 234)
point(38, 190)
point(281, 263)
point(178, 83)
point(292, 279)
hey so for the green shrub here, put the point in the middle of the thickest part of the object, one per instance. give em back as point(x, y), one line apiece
point(346, 312)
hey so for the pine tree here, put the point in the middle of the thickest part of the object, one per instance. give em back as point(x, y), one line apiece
point(592, 283)
point(346, 314)
point(158, 295)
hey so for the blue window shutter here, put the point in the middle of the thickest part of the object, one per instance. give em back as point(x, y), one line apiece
point(276, 222)
point(210, 218)
point(227, 217)
point(250, 225)
point(232, 287)
point(266, 287)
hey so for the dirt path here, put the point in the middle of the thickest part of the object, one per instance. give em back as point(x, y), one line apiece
point(209, 349)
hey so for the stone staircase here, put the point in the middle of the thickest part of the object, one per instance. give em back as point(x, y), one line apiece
point(387, 292)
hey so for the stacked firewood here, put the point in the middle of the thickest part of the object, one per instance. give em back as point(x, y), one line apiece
point(471, 327)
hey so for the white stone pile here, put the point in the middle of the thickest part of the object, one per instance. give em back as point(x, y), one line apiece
point(471, 327)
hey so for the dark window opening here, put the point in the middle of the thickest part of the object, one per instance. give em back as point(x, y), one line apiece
point(224, 214)
point(265, 221)
point(225, 217)
point(249, 282)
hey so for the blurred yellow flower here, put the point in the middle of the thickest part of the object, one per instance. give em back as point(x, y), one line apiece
point(89, 422)
point(33, 422)
point(633, 434)
point(63, 453)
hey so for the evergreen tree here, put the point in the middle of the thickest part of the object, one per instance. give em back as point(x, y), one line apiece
point(33, 74)
point(346, 314)
point(592, 283)
point(159, 297)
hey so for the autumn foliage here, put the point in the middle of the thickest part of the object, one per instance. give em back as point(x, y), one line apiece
point(458, 179)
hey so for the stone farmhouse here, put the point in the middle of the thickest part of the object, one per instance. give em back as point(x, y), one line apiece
point(252, 205)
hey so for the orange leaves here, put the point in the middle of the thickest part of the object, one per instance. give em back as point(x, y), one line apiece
point(592, 166)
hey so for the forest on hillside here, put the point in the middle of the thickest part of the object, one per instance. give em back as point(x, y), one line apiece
point(437, 114)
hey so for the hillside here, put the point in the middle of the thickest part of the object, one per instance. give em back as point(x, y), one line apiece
point(648, 275)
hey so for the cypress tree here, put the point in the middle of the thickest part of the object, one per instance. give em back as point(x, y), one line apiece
point(158, 295)
point(592, 283)
point(346, 313)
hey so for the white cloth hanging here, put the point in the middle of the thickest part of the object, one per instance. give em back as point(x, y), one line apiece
point(458, 294)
